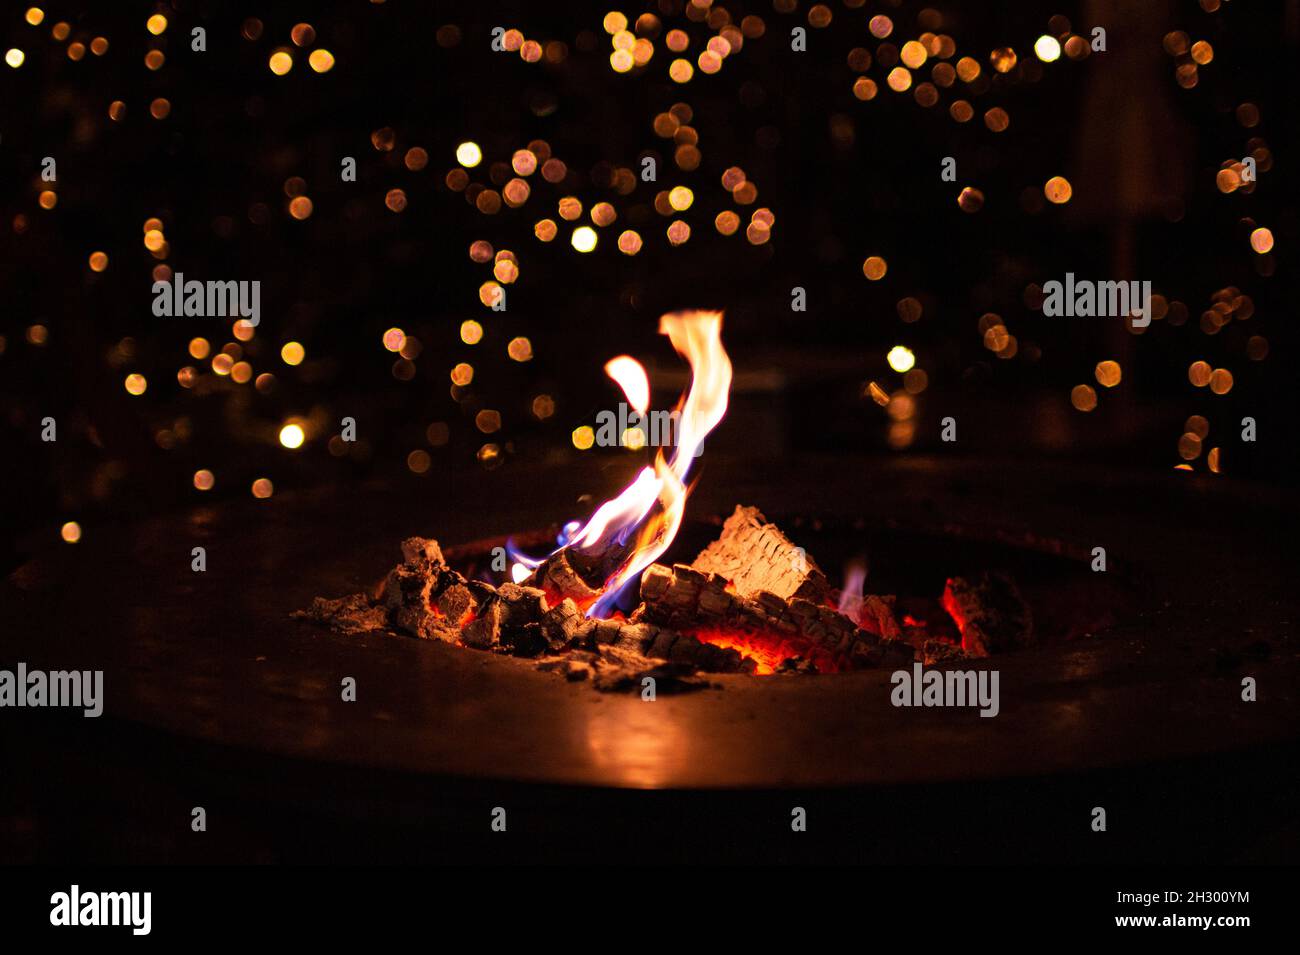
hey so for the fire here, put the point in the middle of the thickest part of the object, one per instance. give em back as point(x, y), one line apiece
point(850, 602)
point(954, 611)
point(629, 374)
point(642, 521)
point(770, 650)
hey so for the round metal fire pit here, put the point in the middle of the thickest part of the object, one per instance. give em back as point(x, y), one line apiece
point(215, 657)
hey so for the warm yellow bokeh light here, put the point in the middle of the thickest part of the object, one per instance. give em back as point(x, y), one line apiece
point(629, 242)
point(1261, 240)
point(291, 353)
point(14, 57)
point(292, 436)
point(156, 24)
point(900, 358)
point(584, 238)
point(469, 155)
point(680, 198)
point(281, 62)
point(584, 438)
point(1047, 49)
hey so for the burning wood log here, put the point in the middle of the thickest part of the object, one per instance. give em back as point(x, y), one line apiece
point(425, 597)
point(689, 620)
point(751, 598)
point(484, 631)
point(560, 579)
point(756, 557)
point(560, 624)
point(647, 640)
point(990, 613)
point(876, 615)
point(685, 599)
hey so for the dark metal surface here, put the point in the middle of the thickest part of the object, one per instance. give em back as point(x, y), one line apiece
point(215, 657)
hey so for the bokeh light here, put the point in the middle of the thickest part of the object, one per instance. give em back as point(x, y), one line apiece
point(292, 436)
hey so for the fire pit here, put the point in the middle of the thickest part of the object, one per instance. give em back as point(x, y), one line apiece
point(1175, 649)
point(752, 601)
point(1136, 702)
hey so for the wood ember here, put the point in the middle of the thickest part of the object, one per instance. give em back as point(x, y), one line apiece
point(559, 578)
point(484, 631)
point(663, 643)
point(522, 605)
point(560, 624)
point(354, 614)
point(751, 589)
point(876, 616)
point(756, 557)
point(683, 598)
point(934, 652)
point(425, 597)
point(990, 613)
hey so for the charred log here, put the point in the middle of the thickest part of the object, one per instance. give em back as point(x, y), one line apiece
point(752, 600)
point(990, 613)
point(559, 578)
point(682, 598)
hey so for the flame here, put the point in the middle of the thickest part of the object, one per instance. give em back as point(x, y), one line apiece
point(626, 510)
point(850, 602)
point(629, 375)
point(652, 506)
point(697, 336)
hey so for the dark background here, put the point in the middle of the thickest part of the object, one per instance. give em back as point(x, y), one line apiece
point(1140, 151)
point(1116, 124)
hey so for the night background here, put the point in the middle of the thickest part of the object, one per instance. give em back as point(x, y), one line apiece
point(783, 177)
point(844, 179)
